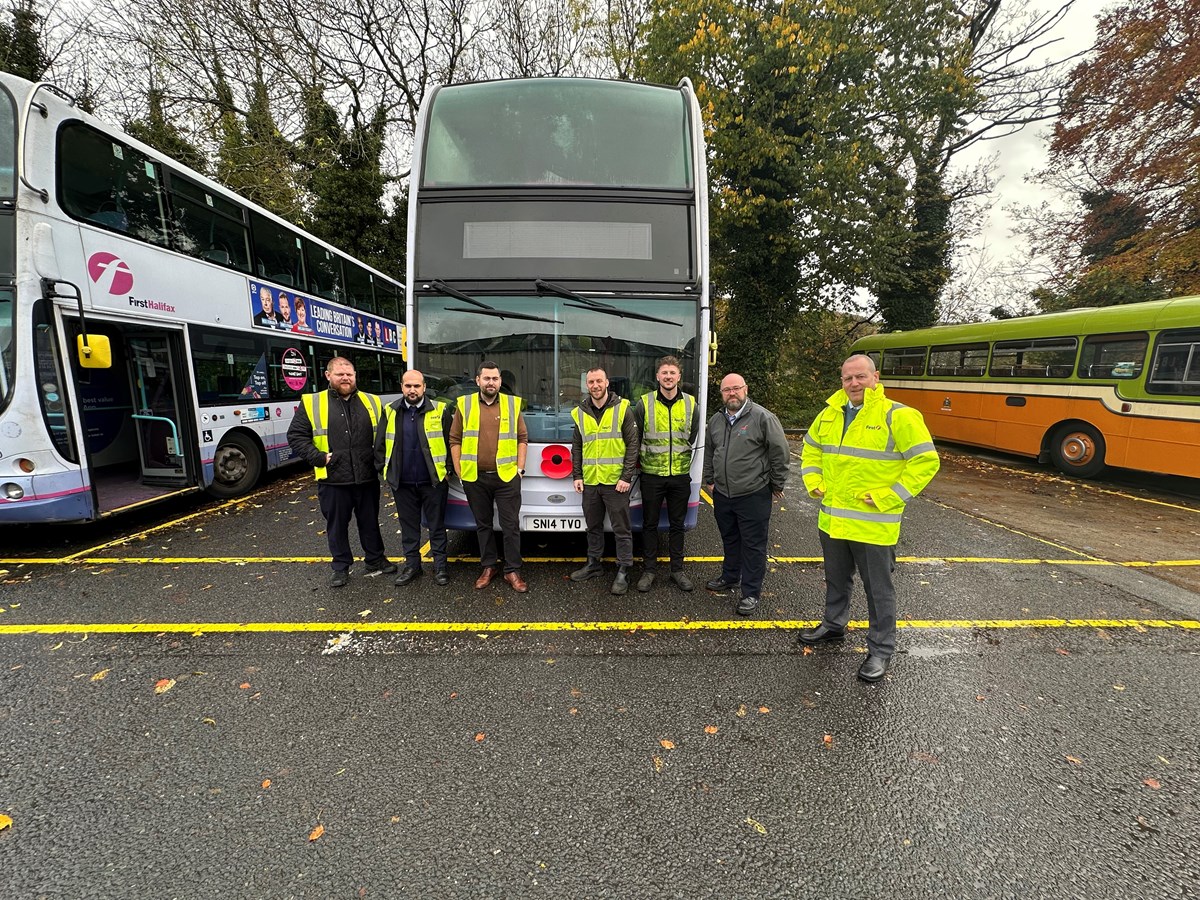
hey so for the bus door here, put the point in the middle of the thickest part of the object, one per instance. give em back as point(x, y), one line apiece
point(155, 388)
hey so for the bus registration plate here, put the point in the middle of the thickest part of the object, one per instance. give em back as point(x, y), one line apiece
point(554, 523)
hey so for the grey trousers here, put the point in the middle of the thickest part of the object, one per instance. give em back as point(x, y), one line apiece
point(601, 498)
point(874, 564)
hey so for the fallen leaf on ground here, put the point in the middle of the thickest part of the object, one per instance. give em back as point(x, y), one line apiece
point(245, 686)
point(1073, 760)
point(756, 825)
point(480, 736)
point(163, 685)
point(808, 651)
point(711, 729)
point(266, 783)
point(101, 675)
point(741, 711)
point(658, 764)
point(1153, 783)
point(5, 821)
point(828, 741)
point(316, 833)
point(667, 745)
point(763, 710)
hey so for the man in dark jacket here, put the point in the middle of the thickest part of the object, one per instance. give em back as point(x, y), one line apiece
point(746, 460)
point(334, 432)
point(410, 453)
point(604, 452)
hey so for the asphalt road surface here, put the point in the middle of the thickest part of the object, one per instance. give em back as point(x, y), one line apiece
point(190, 712)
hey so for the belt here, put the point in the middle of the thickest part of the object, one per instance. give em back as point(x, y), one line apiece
point(488, 472)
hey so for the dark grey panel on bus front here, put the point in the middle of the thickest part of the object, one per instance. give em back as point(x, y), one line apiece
point(571, 241)
point(8, 247)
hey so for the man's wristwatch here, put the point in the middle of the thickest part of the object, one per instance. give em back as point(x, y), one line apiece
point(521, 472)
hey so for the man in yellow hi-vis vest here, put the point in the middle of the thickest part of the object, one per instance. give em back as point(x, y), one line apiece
point(334, 432)
point(488, 443)
point(604, 452)
point(411, 453)
point(669, 421)
point(864, 458)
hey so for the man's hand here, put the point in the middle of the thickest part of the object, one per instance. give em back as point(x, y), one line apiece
point(328, 458)
point(623, 486)
point(579, 485)
point(778, 495)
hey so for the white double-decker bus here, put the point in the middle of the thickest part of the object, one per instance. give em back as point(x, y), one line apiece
point(156, 330)
point(556, 225)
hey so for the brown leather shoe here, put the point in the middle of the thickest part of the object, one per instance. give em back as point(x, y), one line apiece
point(517, 582)
point(486, 576)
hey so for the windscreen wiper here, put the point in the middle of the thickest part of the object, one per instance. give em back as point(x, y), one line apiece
point(484, 309)
point(590, 305)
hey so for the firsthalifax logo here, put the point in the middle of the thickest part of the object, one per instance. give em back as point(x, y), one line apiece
point(110, 272)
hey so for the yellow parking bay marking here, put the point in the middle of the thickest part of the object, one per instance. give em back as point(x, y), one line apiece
point(467, 560)
point(199, 628)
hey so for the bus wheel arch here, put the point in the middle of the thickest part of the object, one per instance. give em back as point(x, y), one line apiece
point(238, 463)
point(1077, 448)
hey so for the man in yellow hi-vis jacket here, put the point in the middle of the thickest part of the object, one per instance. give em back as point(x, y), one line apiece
point(334, 432)
point(864, 458)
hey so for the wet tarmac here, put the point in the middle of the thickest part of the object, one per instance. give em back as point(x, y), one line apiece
point(190, 712)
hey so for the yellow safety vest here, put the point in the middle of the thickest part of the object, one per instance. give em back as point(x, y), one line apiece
point(506, 446)
point(433, 434)
point(886, 454)
point(665, 434)
point(603, 446)
point(318, 417)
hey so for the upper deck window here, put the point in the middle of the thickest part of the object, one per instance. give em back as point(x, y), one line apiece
point(553, 132)
point(8, 144)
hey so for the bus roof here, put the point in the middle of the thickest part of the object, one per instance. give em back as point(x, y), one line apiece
point(1154, 315)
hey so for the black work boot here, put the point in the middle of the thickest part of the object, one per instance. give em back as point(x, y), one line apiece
point(591, 570)
point(621, 583)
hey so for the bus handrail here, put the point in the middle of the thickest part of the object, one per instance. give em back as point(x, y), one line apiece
point(171, 422)
point(24, 125)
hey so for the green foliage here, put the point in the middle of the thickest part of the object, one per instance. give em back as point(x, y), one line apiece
point(22, 51)
point(809, 364)
point(811, 109)
point(157, 131)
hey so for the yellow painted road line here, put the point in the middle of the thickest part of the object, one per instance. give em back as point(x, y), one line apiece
point(707, 498)
point(200, 628)
point(467, 560)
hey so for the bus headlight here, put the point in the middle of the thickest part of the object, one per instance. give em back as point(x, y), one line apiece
point(26, 465)
point(13, 491)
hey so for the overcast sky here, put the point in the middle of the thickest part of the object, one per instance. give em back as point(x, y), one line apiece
point(1024, 153)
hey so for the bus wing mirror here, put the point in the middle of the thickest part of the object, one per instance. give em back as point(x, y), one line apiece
point(95, 351)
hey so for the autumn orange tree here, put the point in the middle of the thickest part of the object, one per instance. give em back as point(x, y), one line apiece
point(1127, 149)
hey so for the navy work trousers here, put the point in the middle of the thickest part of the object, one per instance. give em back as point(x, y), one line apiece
point(414, 501)
point(744, 523)
point(676, 490)
point(340, 503)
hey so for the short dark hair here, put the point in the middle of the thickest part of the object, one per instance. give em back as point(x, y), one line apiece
point(666, 361)
point(598, 369)
point(487, 364)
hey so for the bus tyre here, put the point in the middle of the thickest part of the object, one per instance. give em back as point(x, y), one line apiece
point(236, 466)
point(1078, 449)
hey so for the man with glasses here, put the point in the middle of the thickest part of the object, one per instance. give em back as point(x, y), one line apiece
point(745, 464)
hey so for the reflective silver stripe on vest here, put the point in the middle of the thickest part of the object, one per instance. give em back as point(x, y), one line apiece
point(812, 442)
point(468, 403)
point(811, 470)
point(861, 515)
point(860, 453)
point(320, 426)
point(918, 449)
point(511, 435)
point(891, 444)
point(651, 424)
point(902, 492)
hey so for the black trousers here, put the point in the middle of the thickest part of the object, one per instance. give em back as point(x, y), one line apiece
point(597, 500)
point(340, 503)
point(488, 496)
point(414, 501)
point(676, 490)
point(743, 523)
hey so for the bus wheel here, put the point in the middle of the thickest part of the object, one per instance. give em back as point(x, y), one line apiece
point(236, 466)
point(1078, 449)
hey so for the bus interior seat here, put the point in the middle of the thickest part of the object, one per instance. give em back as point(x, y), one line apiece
point(110, 216)
point(218, 255)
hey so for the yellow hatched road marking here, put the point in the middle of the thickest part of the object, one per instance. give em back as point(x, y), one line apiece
point(199, 628)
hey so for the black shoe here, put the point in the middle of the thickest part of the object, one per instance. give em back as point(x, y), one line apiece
point(408, 574)
point(874, 668)
point(720, 584)
point(340, 578)
point(747, 605)
point(621, 583)
point(383, 567)
point(819, 635)
point(441, 576)
point(646, 581)
point(682, 581)
point(593, 569)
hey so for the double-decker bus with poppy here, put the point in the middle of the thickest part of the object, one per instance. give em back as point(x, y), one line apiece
point(1084, 389)
point(556, 225)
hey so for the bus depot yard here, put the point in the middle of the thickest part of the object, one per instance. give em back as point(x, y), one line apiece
point(190, 712)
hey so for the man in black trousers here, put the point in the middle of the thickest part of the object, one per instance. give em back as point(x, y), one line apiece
point(411, 454)
point(334, 432)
